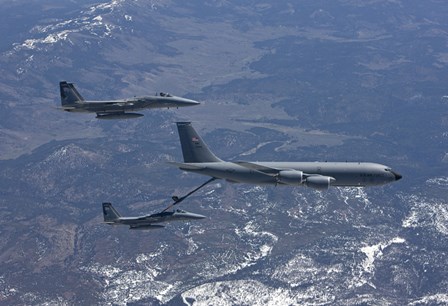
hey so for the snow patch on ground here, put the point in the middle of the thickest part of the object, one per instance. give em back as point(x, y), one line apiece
point(6, 290)
point(438, 181)
point(350, 194)
point(374, 252)
point(427, 213)
point(240, 292)
point(436, 299)
point(310, 281)
point(121, 287)
point(91, 20)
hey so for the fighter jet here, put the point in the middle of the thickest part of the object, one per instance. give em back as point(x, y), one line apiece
point(112, 217)
point(72, 101)
point(318, 175)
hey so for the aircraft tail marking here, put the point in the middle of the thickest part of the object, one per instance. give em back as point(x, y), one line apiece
point(109, 213)
point(69, 94)
point(194, 148)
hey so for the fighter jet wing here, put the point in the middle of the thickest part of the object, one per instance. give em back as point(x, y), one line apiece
point(149, 218)
point(120, 103)
point(143, 218)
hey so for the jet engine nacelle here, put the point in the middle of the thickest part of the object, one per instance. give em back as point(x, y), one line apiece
point(290, 177)
point(319, 182)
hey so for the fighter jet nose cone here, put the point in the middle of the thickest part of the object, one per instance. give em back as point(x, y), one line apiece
point(187, 102)
point(193, 102)
point(188, 215)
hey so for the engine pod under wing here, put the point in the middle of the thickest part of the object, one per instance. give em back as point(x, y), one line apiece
point(319, 182)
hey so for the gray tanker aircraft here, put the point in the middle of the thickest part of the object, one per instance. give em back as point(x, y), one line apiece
point(112, 217)
point(72, 101)
point(318, 175)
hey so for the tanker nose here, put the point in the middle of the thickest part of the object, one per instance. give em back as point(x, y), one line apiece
point(397, 175)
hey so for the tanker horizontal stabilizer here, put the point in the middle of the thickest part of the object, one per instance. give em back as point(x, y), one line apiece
point(187, 166)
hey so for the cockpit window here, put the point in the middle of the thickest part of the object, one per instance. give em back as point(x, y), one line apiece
point(164, 94)
point(388, 169)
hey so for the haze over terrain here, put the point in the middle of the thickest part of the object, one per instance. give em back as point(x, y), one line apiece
point(293, 81)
